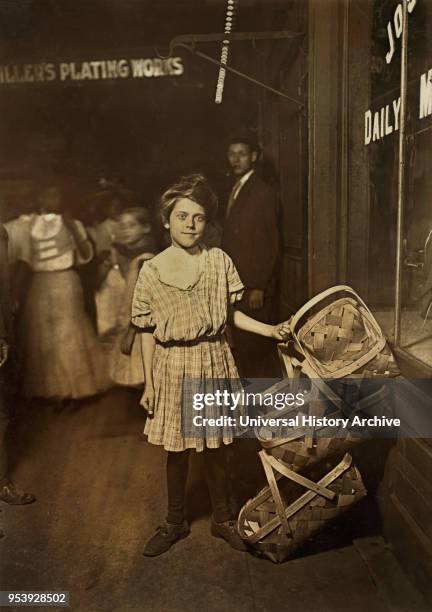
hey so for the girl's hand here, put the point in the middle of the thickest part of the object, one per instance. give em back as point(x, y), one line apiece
point(148, 400)
point(282, 331)
point(256, 299)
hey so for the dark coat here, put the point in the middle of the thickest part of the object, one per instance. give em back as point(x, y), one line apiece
point(251, 235)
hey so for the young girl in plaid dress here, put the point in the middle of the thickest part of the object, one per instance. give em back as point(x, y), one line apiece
point(182, 301)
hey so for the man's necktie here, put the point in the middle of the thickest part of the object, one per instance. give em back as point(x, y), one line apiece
point(234, 193)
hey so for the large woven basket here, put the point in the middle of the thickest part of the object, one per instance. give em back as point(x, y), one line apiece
point(278, 521)
point(338, 336)
point(333, 336)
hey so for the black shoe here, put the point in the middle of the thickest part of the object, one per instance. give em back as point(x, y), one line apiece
point(228, 532)
point(13, 496)
point(166, 536)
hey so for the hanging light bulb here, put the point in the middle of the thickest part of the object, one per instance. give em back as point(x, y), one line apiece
point(229, 22)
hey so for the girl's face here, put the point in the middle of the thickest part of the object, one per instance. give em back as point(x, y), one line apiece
point(186, 223)
point(129, 229)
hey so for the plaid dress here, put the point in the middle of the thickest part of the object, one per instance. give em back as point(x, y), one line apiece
point(191, 351)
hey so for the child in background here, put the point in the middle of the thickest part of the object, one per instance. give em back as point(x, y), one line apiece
point(106, 207)
point(133, 244)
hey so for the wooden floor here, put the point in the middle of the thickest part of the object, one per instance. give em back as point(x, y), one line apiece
point(101, 492)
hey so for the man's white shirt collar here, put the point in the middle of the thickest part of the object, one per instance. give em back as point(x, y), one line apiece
point(239, 185)
point(245, 177)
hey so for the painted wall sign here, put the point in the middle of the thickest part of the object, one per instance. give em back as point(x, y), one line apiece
point(385, 120)
point(91, 70)
point(397, 25)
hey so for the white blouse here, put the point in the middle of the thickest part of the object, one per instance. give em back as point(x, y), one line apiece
point(45, 243)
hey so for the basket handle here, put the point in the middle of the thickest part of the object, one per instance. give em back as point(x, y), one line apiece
point(321, 296)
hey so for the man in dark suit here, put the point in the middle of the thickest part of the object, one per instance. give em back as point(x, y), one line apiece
point(251, 239)
point(8, 491)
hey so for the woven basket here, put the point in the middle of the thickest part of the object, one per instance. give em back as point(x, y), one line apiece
point(277, 522)
point(301, 454)
point(333, 336)
point(300, 448)
point(338, 336)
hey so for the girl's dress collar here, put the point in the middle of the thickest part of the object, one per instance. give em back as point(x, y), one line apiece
point(204, 251)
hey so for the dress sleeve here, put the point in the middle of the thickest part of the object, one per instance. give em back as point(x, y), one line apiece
point(235, 285)
point(141, 302)
point(80, 260)
point(19, 241)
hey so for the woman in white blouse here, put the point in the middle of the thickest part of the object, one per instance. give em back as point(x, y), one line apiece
point(61, 355)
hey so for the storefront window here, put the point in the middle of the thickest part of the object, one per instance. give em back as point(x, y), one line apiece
point(382, 123)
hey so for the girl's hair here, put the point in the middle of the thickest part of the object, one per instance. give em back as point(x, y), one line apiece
point(194, 187)
point(140, 213)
